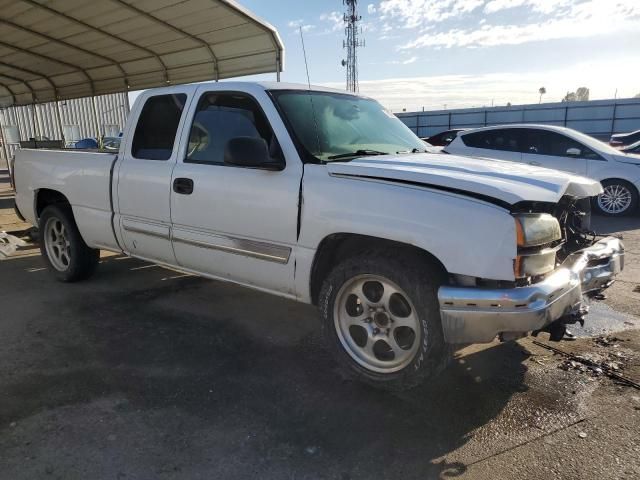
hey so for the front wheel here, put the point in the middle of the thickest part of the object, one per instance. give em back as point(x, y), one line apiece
point(619, 198)
point(62, 246)
point(381, 320)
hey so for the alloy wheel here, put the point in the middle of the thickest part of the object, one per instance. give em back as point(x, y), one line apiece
point(57, 244)
point(377, 324)
point(615, 199)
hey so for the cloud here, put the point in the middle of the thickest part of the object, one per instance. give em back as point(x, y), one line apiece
point(459, 91)
point(542, 6)
point(418, 13)
point(406, 61)
point(587, 19)
point(371, 9)
point(298, 24)
point(334, 19)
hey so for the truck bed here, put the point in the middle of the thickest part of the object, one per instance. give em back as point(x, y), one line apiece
point(83, 177)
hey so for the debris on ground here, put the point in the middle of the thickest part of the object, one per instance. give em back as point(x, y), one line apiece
point(9, 244)
point(607, 341)
point(594, 363)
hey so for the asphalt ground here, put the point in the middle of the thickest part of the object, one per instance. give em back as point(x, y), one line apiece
point(147, 373)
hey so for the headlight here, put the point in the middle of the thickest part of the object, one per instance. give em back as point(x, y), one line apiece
point(534, 264)
point(535, 229)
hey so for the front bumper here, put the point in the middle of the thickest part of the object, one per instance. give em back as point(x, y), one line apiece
point(477, 315)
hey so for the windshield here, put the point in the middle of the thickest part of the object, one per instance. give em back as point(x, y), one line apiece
point(334, 126)
point(634, 147)
point(595, 144)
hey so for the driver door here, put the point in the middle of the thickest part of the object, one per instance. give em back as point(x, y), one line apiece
point(232, 222)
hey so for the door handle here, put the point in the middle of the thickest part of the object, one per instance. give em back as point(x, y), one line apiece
point(537, 164)
point(183, 186)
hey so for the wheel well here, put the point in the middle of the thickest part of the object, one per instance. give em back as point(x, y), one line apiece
point(46, 197)
point(621, 180)
point(338, 246)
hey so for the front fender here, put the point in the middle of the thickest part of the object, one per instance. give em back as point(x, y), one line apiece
point(468, 236)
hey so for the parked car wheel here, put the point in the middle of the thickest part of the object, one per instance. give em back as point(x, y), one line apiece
point(62, 246)
point(618, 199)
point(381, 320)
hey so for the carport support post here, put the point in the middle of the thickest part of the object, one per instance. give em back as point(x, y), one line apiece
point(35, 126)
point(59, 117)
point(5, 147)
point(127, 106)
point(95, 118)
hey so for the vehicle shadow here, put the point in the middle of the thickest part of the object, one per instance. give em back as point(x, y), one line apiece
point(215, 371)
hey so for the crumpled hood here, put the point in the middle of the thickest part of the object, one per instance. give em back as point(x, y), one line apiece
point(508, 182)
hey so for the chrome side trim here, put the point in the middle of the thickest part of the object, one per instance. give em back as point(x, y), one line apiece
point(142, 231)
point(240, 246)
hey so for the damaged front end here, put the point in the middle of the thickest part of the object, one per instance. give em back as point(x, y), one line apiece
point(555, 272)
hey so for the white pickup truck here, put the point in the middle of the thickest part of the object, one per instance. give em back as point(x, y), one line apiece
point(326, 198)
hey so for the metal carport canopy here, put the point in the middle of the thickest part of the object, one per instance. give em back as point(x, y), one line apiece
point(62, 49)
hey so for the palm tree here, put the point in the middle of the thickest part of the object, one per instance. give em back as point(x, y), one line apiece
point(541, 91)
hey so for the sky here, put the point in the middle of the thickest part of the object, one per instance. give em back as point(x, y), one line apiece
point(436, 54)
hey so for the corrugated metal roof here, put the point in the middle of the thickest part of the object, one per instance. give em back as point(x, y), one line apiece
point(63, 49)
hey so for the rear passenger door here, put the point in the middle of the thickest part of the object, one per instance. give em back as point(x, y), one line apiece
point(234, 222)
point(501, 144)
point(143, 177)
point(551, 149)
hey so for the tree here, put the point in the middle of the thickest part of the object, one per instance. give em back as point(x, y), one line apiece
point(541, 91)
point(580, 95)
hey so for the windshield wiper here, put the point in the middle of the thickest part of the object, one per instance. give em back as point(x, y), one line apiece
point(414, 150)
point(357, 153)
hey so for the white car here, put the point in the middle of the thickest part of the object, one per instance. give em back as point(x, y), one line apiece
point(327, 198)
point(561, 149)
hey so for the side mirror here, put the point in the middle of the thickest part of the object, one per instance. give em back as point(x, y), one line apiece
point(573, 152)
point(250, 152)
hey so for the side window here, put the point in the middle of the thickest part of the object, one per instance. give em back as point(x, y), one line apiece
point(532, 141)
point(157, 127)
point(545, 142)
point(476, 140)
point(499, 139)
point(221, 117)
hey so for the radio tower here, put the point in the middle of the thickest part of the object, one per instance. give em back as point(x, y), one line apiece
point(351, 43)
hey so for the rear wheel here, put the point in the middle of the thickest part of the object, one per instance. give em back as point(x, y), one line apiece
point(381, 320)
point(618, 198)
point(62, 246)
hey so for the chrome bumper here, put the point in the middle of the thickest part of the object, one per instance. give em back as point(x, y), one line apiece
point(477, 315)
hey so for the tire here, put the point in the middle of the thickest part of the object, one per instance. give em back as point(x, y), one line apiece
point(62, 246)
point(620, 198)
point(421, 356)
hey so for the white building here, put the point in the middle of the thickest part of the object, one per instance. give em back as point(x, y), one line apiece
point(68, 121)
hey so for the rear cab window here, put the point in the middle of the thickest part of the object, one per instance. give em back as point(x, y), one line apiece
point(157, 127)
